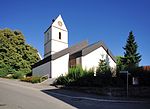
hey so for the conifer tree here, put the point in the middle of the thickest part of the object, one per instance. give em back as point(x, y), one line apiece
point(131, 57)
point(103, 68)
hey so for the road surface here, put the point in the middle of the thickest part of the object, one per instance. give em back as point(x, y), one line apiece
point(14, 95)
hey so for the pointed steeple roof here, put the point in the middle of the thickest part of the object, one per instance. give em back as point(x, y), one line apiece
point(58, 23)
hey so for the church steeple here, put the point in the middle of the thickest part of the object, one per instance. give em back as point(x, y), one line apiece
point(56, 37)
point(59, 23)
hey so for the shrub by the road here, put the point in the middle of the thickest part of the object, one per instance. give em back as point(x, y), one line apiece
point(32, 79)
point(74, 75)
point(18, 75)
point(79, 77)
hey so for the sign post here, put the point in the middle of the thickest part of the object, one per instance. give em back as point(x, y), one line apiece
point(127, 73)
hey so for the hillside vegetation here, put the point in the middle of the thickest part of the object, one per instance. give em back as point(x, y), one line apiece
point(16, 57)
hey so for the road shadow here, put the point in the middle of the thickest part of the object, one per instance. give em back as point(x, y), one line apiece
point(71, 98)
point(76, 99)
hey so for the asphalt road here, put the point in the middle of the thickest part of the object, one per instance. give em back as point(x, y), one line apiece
point(14, 96)
point(19, 96)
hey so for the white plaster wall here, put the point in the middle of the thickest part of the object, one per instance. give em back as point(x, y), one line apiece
point(91, 60)
point(55, 34)
point(57, 46)
point(41, 70)
point(60, 66)
point(112, 64)
point(56, 43)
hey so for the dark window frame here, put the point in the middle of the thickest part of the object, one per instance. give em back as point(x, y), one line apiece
point(60, 35)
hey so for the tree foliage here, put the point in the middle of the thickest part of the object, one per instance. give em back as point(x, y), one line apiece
point(119, 63)
point(131, 57)
point(103, 68)
point(15, 54)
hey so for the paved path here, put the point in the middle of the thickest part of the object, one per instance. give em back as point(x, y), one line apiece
point(21, 95)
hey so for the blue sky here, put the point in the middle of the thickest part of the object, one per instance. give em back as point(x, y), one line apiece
point(92, 20)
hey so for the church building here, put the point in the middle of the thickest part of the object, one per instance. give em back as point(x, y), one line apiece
point(58, 57)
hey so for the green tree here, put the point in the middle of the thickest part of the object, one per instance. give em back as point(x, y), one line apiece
point(15, 54)
point(120, 65)
point(103, 68)
point(131, 58)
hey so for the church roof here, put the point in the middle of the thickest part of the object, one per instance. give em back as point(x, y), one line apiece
point(95, 46)
point(45, 60)
point(82, 48)
point(47, 29)
point(90, 48)
point(70, 50)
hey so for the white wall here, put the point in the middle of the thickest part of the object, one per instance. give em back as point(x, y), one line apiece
point(56, 43)
point(91, 60)
point(41, 70)
point(57, 46)
point(55, 34)
point(60, 66)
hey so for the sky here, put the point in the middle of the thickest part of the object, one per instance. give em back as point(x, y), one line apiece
point(93, 20)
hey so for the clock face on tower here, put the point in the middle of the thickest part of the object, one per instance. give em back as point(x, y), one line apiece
point(59, 23)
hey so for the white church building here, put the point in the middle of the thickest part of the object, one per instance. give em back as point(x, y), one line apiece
point(58, 57)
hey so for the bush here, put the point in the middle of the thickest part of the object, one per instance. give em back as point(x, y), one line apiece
point(3, 74)
point(25, 71)
point(75, 73)
point(35, 80)
point(88, 73)
point(75, 77)
point(5, 69)
point(18, 75)
point(27, 79)
point(61, 80)
point(31, 79)
point(43, 78)
point(103, 68)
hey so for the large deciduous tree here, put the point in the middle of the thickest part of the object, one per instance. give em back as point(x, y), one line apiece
point(15, 54)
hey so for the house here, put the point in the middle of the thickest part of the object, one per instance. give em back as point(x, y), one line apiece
point(58, 57)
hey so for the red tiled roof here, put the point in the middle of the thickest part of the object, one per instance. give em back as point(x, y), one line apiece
point(147, 68)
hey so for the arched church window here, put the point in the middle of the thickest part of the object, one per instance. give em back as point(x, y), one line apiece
point(59, 35)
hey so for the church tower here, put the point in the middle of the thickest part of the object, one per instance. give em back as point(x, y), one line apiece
point(55, 37)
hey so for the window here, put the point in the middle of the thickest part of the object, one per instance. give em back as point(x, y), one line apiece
point(59, 35)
